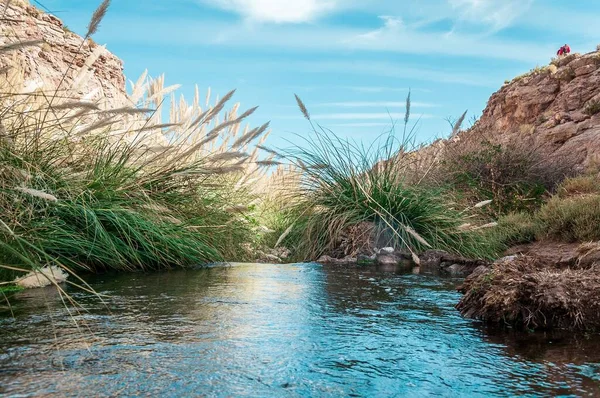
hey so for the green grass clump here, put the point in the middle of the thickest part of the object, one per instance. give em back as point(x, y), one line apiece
point(575, 219)
point(345, 184)
point(592, 108)
point(513, 229)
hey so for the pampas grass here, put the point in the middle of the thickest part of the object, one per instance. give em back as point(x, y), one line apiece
point(86, 185)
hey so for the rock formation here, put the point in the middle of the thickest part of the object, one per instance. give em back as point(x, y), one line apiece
point(60, 51)
point(556, 108)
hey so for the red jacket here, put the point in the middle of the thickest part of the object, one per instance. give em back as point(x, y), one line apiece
point(563, 50)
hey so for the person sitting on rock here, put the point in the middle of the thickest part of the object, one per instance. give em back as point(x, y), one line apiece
point(564, 50)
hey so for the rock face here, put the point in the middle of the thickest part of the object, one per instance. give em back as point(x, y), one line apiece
point(61, 50)
point(556, 108)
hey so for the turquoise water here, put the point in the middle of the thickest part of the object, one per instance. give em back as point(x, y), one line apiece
point(278, 330)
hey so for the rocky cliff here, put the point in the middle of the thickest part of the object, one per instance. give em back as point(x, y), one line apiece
point(60, 51)
point(556, 108)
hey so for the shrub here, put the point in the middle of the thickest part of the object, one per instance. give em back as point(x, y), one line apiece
point(580, 185)
point(575, 219)
point(516, 177)
point(513, 229)
point(592, 108)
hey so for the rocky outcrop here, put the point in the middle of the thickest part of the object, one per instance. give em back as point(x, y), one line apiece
point(60, 51)
point(556, 108)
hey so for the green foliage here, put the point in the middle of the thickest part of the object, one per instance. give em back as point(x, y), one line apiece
point(592, 108)
point(574, 219)
point(345, 184)
point(513, 229)
point(116, 217)
point(6, 289)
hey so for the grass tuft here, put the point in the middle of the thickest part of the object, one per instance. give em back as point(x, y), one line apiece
point(344, 184)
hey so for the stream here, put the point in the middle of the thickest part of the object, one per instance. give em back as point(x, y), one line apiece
point(263, 330)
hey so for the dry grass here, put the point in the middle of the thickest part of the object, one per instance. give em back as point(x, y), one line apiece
point(574, 219)
point(516, 177)
point(528, 293)
point(580, 185)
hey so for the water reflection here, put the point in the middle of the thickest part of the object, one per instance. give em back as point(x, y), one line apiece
point(273, 330)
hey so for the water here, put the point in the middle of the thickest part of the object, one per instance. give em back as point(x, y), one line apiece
point(278, 330)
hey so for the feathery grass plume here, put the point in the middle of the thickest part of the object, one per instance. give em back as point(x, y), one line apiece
point(19, 45)
point(250, 136)
point(284, 235)
point(225, 156)
point(77, 104)
point(483, 203)
point(269, 151)
point(219, 106)
point(37, 193)
point(458, 124)
point(302, 107)
point(267, 163)
point(97, 17)
point(407, 108)
point(127, 110)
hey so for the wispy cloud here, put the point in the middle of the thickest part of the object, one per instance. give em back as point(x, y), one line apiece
point(382, 89)
point(362, 124)
point(494, 14)
point(364, 116)
point(278, 11)
point(376, 104)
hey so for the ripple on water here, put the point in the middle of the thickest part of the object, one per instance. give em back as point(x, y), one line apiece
point(275, 330)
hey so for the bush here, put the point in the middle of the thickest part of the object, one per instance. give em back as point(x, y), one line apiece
point(592, 108)
point(580, 185)
point(513, 229)
point(575, 219)
point(515, 177)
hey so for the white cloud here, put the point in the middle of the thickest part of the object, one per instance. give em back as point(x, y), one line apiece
point(382, 89)
point(376, 104)
point(278, 11)
point(390, 24)
point(496, 14)
point(360, 124)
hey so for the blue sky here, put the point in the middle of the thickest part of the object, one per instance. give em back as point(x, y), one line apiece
point(351, 61)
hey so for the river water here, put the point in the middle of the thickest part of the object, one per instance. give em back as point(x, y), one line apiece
point(278, 330)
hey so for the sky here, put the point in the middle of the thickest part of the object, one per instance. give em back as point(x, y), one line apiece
point(351, 61)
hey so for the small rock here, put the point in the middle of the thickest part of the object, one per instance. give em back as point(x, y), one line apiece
point(388, 250)
point(387, 259)
point(505, 259)
point(363, 259)
point(44, 277)
point(432, 258)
